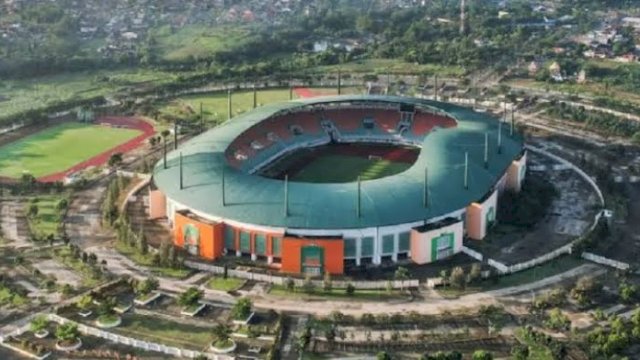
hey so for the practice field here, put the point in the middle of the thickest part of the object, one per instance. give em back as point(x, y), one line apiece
point(59, 148)
point(344, 168)
point(214, 105)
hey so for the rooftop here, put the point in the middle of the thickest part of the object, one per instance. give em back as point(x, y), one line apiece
point(392, 200)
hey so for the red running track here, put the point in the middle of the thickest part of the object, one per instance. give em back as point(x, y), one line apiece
point(100, 159)
point(305, 92)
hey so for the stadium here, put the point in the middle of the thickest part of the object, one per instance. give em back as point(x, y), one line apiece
point(329, 184)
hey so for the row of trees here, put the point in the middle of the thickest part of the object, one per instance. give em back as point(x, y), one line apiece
point(598, 121)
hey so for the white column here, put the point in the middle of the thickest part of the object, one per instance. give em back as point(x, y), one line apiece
point(238, 253)
point(358, 250)
point(269, 260)
point(396, 248)
point(377, 248)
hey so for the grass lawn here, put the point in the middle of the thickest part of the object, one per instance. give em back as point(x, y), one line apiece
point(341, 168)
point(214, 105)
point(64, 256)
point(393, 66)
point(48, 218)
point(35, 93)
point(594, 89)
point(59, 148)
point(222, 284)
point(338, 294)
point(197, 41)
point(166, 332)
point(147, 260)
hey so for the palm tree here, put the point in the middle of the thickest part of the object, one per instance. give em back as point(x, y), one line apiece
point(222, 333)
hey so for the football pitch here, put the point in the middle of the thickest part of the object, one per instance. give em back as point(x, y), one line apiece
point(344, 168)
point(59, 148)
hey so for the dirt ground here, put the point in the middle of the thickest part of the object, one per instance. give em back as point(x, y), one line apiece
point(569, 216)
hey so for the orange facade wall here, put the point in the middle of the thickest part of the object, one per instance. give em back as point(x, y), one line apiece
point(292, 254)
point(474, 221)
point(157, 204)
point(210, 235)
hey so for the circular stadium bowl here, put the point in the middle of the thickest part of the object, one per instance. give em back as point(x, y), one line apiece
point(216, 179)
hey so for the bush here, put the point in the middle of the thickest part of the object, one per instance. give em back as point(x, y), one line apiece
point(242, 309)
point(350, 290)
point(190, 297)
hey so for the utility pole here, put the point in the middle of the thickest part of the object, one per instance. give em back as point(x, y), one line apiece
point(358, 203)
point(486, 150)
point(466, 170)
point(164, 151)
point(229, 109)
point(181, 179)
point(255, 96)
point(175, 135)
point(425, 189)
point(224, 200)
point(286, 195)
point(463, 17)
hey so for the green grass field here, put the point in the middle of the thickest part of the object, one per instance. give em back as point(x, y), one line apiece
point(59, 148)
point(222, 284)
point(341, 168)
point(214, 105)
point(392, 66)
point(197, 41)
point(48, 218)
point(25, 94)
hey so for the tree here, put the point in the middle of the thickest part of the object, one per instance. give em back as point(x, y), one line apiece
point(474, 273)
point(383, 355)
point(401, 275)
point(190, 297)
point(32, 211)
point(628, 292)
point(482, 355)
point(62, 205)
point(457, 277)
point(222, 333)
point(67, 332)
point(115, 160)
point(520, 352)
point(557, 320)
point(289, 284)
point(350, 290)
point(84, 302)
point(326, 282)
point(242, 309)
point(308, 286)
point(147, 286)
point(141, 244)
point(106, 305)
point(39, 323)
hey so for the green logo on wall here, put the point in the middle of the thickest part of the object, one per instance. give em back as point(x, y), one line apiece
point(191, 237)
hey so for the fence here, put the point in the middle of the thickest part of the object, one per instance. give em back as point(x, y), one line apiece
point(140, 344)
point(474, 254)
point(280, 280)
point(606, 261)
point(566, 249)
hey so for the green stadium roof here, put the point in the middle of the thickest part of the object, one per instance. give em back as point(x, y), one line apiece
point(392, 200)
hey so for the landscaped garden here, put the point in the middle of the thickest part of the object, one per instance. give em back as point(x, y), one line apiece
point(224, 284)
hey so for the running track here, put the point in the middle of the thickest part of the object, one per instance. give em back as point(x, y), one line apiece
point(304, 92)
point(100, 159)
